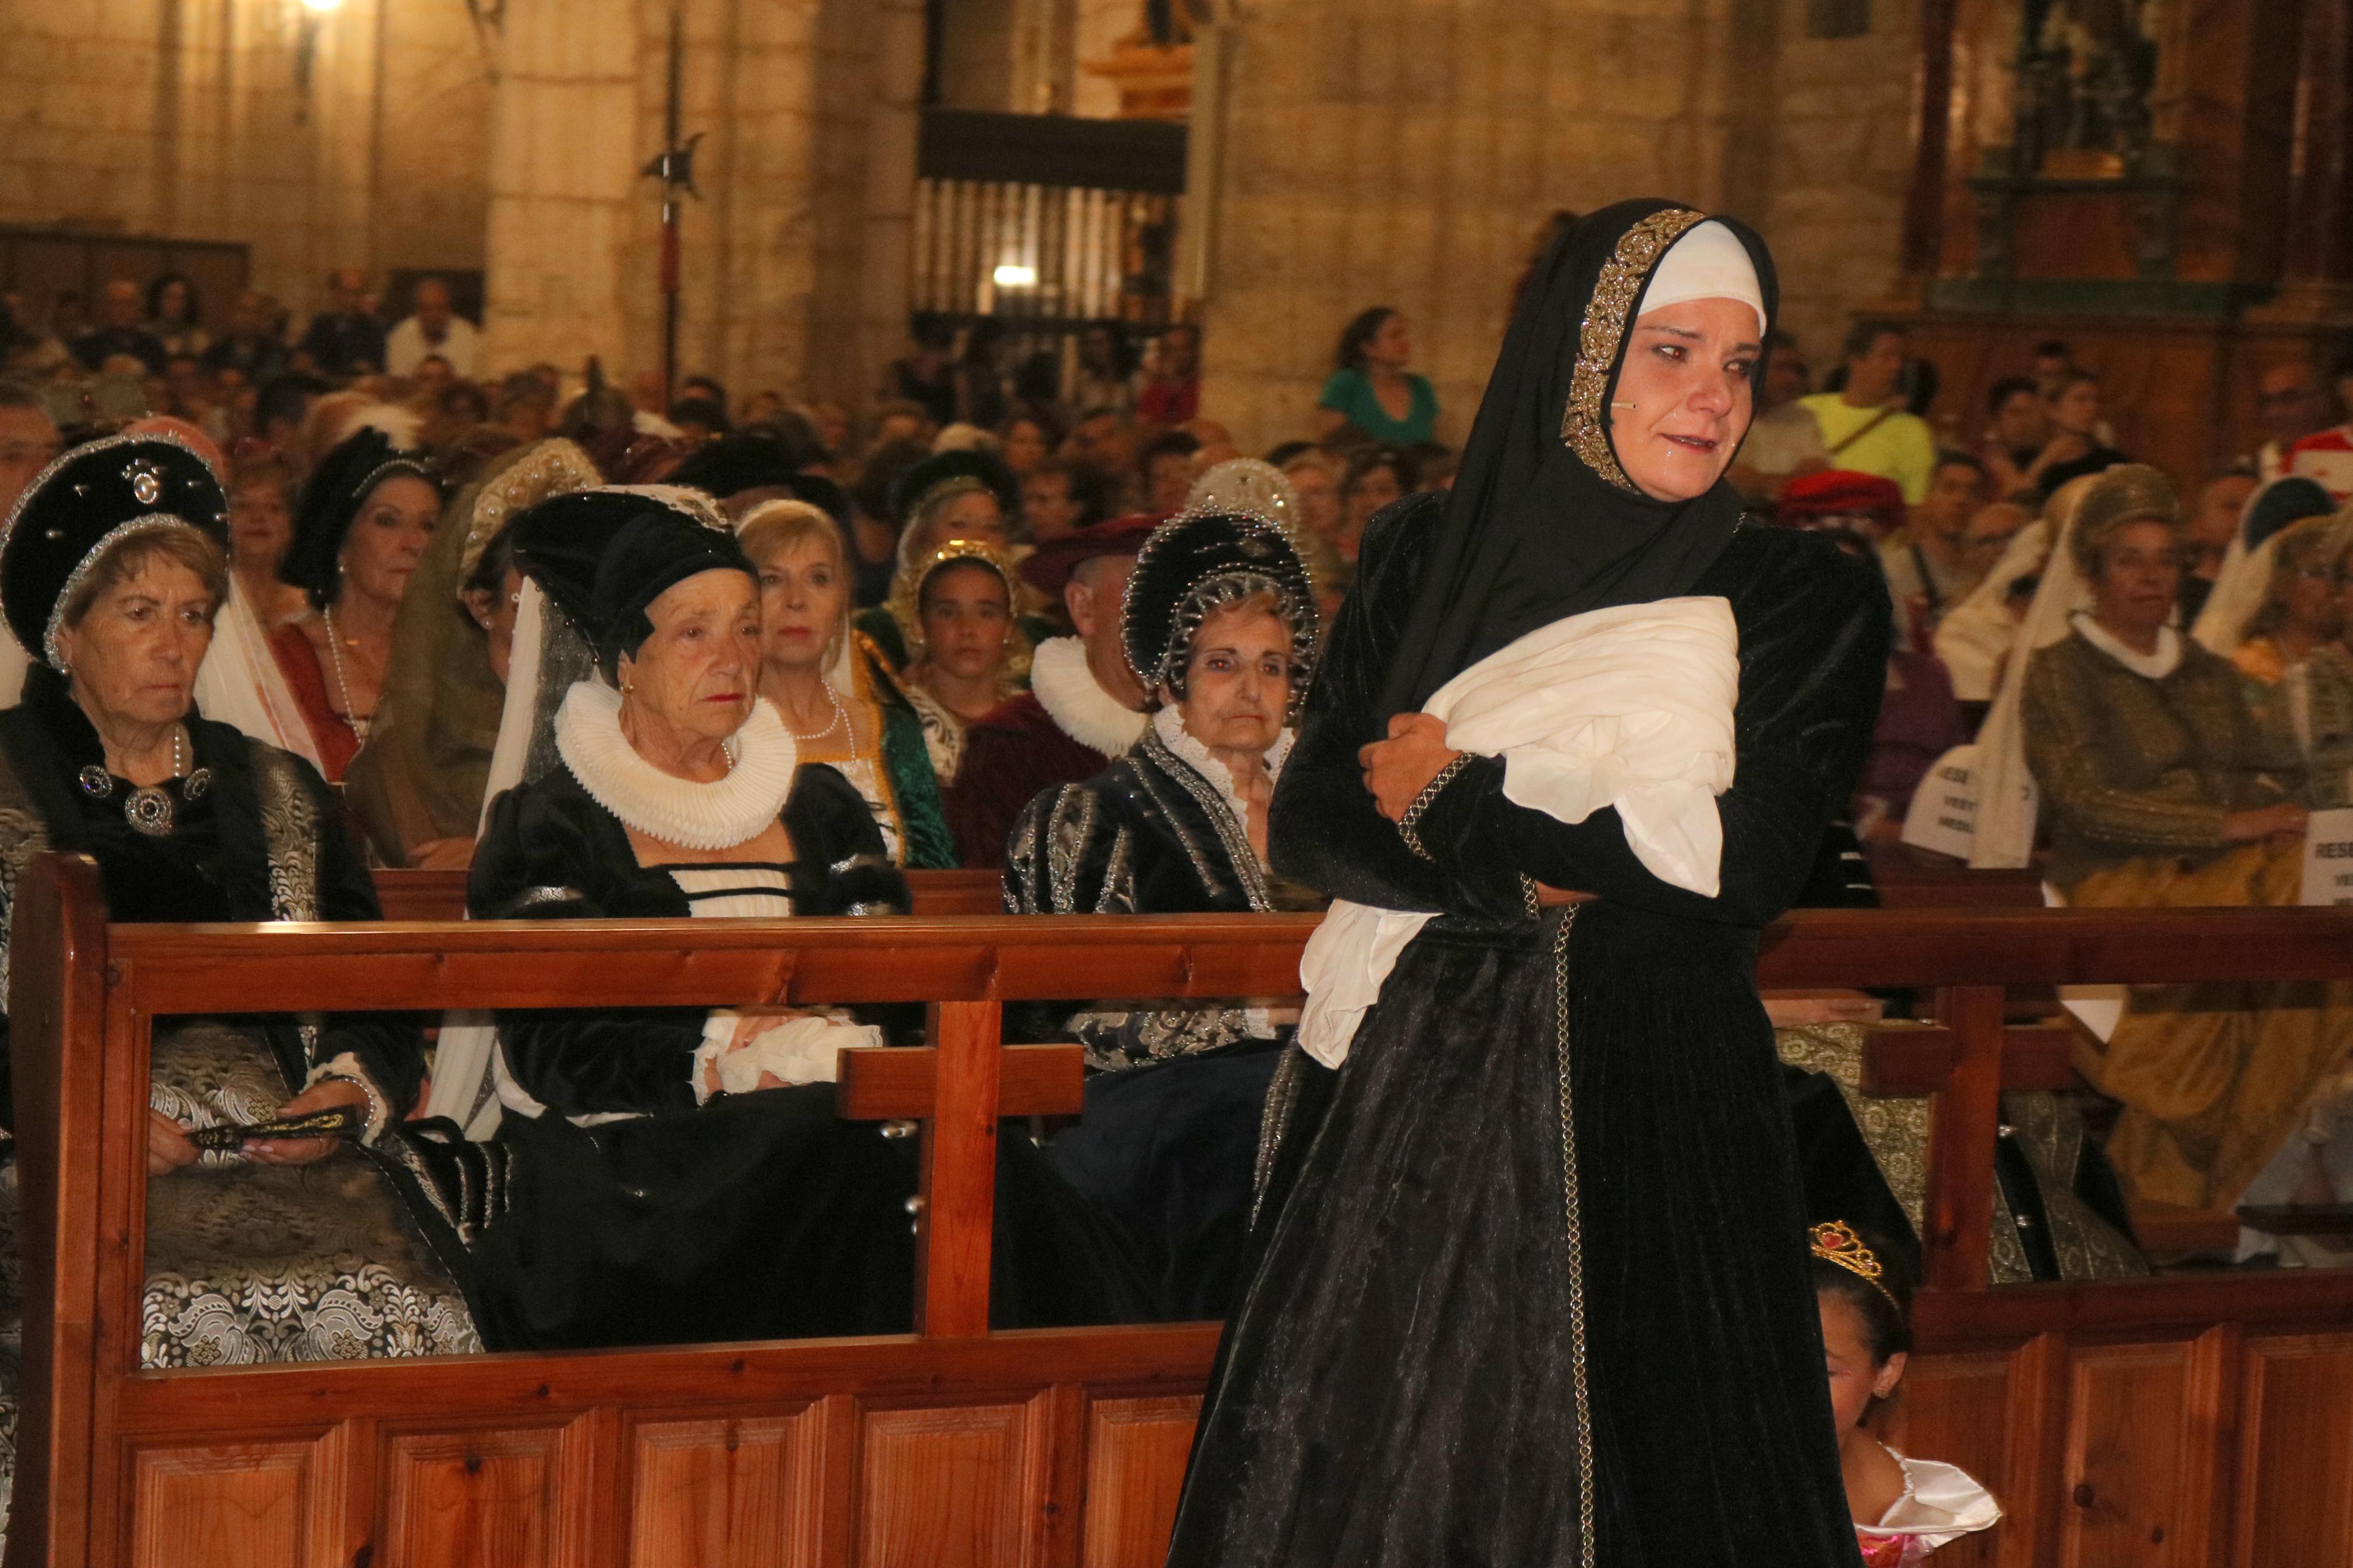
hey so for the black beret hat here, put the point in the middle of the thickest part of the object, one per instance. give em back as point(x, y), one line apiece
point(85, 500)
point(604, 555)
point(332, 498)
point(1193, 564)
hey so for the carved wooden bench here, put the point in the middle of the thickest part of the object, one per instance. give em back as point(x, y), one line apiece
point(2206, 1414)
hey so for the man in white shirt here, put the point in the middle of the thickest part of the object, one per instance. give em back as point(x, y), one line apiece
point(434, 330)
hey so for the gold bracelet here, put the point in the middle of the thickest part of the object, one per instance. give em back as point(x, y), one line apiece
point(1422, 802)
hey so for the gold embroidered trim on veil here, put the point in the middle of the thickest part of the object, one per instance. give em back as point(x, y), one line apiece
point(1584, 424)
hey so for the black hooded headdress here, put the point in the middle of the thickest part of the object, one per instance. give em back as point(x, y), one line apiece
point(1196, 562)
point(605, 555)
point(332, 498)
point(85, 500)
point(965, 469)
point(1542, 523)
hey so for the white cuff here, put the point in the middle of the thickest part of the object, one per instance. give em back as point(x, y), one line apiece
point(346, 1067)
point(718, 1029)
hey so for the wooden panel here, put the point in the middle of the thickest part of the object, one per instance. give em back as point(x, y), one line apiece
point(1956, 1408)
point(739, 1493)
point(2074, 233)
point(2125, 1475)
point(942, 1488)
point(889, 1083)
point(1136, 1467)
point(231, 1507)
point(2295, 1481)
point(472, 1496)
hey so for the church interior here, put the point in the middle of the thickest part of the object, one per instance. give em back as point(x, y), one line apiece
point(1004, 507)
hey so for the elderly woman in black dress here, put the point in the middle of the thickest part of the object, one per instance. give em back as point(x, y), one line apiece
point(680, 1174)
point(1531, 1278)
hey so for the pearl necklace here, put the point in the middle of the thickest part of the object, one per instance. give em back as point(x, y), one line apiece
point(841, 717)
point(360, 724)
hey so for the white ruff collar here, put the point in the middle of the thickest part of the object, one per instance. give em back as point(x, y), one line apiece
point(715, 816)
point(2153, 666)
point(1077, 703)
point(1202, 761)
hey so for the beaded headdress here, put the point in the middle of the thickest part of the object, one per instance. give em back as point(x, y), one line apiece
point(906, 601)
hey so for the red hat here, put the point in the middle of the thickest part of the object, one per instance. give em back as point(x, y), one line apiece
point(1049, 568)
point(1809, 499)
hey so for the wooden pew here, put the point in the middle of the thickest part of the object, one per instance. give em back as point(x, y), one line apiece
point(441, 895)
point(2174, 1420)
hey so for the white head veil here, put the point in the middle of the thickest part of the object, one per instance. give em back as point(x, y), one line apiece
point(2244, 585)
point(1972, 638)
point(2007, 800)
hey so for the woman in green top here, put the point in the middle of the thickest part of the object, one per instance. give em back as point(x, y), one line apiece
point(1372, 393)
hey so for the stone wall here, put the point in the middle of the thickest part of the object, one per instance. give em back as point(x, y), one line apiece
point(187, 119)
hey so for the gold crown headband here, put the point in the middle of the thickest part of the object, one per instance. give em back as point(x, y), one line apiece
point(1836, 1241)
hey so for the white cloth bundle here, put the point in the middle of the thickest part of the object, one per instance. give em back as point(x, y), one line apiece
point(797, 1050)
point(1629, 707)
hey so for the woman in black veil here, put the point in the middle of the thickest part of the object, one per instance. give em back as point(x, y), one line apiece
point(1532, 1285)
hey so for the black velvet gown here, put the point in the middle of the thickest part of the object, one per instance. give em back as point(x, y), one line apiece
point(1168, 1143)
point(1404, 1381)
point(756, 1215)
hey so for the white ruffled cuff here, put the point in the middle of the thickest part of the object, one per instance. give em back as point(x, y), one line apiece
point(797, 1050)
point(347, 1067)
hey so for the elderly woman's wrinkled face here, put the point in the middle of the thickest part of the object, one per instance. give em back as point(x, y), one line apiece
point(968, 615)
point(2140, 576)
point(389, 536)
point(1237, 679)
point(698, 670)
point(2307, 589)
point(803, 595)
point(1684, 400)
point(135, 653)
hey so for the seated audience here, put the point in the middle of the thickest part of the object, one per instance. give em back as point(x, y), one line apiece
point(1024, 442)
point(979, 380)
point(1375, 477)
point(1084, 706)
point(2327, 455)
point(1104, 379)
point(1974, 641)
point(1904, 1507)
point(955, 609)
point(1173, 396)
point(1106, 440)
point(1785, 440)
point(838, 708)
point(2249, 581)
point(680, 1172)
point(2206, 543)
point(417, 786)
point(2017, 445)
point(1220, 623)
point(119, 331)
point(1866, 427)
point(345, 340)
point(1059, 497)
point(2156, 788)
point(951, 495)
point(1165, 470)
point(433, 329)
point(311, 1236)
point(2291, 403)
point(366, 515)
point(2077, 429)
point(174, 318)
point(2320, 690)
point(1927, 564)
point(1370, 396)
point(260, 528)
point(926, 377)
point(252, 346)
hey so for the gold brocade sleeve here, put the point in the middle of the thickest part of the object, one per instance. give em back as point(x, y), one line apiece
point(2068, 737)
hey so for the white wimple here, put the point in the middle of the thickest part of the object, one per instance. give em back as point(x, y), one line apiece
point(1077, 703)
point(715, 816)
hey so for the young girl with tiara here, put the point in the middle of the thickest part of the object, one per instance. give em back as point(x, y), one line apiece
point(1904, 1507)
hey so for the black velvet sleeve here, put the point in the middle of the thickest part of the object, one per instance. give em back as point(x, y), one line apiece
point(1325, 829)
point(547, 856)
point(844, 867)
point(389, 1047)
point(1814, 633)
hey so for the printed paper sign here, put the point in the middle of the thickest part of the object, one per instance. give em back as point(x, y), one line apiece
point(2328, 857)
point(1944, 814)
